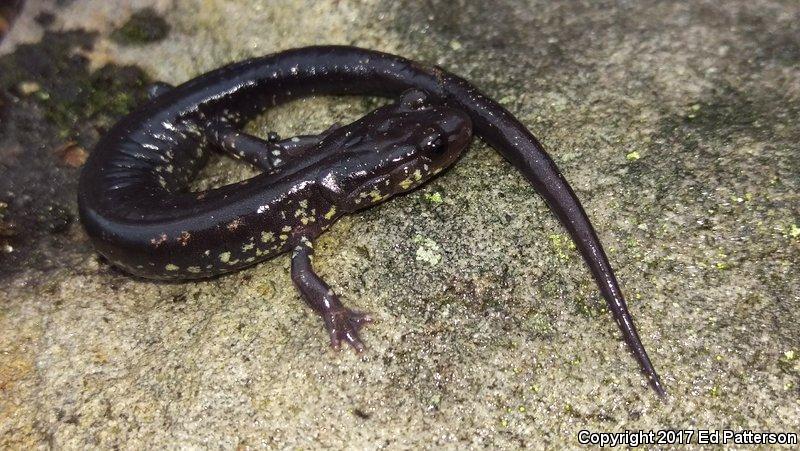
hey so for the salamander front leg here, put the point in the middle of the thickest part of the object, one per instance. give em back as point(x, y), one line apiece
point(252, 149)
point(299, 147)
point(342, 323)
point(269, 154)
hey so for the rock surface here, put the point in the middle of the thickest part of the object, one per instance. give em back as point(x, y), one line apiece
point(675, 122)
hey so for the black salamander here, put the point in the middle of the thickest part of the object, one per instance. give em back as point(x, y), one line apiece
point(135, 204)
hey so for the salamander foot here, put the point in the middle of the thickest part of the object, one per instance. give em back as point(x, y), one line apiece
point(343, 325)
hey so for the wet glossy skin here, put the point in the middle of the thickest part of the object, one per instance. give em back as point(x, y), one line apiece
point(135, 207)
point(391, 150)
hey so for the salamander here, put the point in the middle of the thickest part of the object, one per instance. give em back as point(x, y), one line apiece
point(136, 207)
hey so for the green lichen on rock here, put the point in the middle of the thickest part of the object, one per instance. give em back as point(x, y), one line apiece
point(435, 198)
point(143, 27)
point(428, 250)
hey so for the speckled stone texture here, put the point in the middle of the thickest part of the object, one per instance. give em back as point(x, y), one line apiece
point(675, 122)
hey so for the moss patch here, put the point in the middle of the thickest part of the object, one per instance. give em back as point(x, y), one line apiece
point(55, 74)
point(143, 27)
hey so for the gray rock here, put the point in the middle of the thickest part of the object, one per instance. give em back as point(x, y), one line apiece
point(675, 122)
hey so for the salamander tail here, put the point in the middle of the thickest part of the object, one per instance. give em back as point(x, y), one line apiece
point(505, 133)
point(564, 203)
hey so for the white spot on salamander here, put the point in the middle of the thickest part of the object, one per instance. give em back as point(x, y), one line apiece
point(329, 182)
point(157, 241)
point(171, 267)
point(225, 257)
point(235, 224)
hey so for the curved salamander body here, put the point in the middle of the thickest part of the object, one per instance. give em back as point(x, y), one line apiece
point(136, 207)
point(143, 219)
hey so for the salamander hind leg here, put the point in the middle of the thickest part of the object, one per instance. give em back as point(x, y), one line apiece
point(342, 323)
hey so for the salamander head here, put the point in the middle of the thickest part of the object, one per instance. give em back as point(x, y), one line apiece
point(395, 149)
